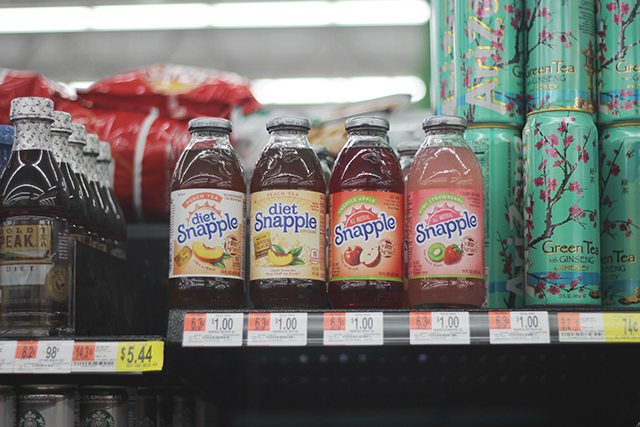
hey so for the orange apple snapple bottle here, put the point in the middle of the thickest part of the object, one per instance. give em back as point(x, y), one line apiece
point(288, 212)
point(445, 214)
point(367, 220)
point(206, 263)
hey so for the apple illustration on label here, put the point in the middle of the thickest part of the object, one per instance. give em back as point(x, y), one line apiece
point(352, 256)
point(370, 257)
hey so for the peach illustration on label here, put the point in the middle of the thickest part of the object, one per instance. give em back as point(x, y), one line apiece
point(214, 256)
point(280, 258)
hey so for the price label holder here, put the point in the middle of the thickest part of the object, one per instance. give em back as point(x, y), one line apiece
point(580, 327)
point(439, 328)
point(353, 328)
point(277, 329)
point(621, 327)
point(94, 357)
point(139, 356)
point(43, 357)
point(519, 327)
point(7, 356)
point(212, 330)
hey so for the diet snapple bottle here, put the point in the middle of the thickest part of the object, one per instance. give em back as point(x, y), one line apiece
point(445, 214)
point(288, 212)
point(367, 220)
point(207, 221)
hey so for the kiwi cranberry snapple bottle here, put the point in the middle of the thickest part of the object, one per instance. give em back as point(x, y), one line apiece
point(445, 213)
point(288, 213)
point(207, 211)
point(367, 220)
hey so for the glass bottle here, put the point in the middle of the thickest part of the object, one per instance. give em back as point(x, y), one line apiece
point(101, 240)
point(119, 232)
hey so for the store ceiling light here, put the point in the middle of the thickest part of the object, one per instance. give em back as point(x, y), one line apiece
point(173, 16)
point(335, 90)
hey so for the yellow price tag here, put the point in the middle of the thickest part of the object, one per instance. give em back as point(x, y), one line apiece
point(621, 327)
point(140, 356)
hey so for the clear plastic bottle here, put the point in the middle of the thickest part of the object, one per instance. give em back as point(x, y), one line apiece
point(288, 212)
point(208, 194)
point(445, 212)
point(367, 220)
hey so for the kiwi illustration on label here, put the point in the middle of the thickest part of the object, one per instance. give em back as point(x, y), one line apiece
point(436, 252)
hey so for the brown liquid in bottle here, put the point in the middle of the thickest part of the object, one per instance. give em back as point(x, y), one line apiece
point(118, 226)
point(105, 225)
point(207, 193)
point(290, 273)
point(35, 279)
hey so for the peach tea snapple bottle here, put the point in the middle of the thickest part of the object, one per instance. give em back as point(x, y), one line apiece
point(207, 214)
point(445, 213)
point(288, 213)
point(367, 220)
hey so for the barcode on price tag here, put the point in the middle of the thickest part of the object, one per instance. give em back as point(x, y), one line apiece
point(94, 357)
point(43, 357)
point(353, 329)
point(212, 330)
point(439, 328)
point(519, 327)
point(621, 327)
point(580, 327)
point(277, 329)
point(7, 356)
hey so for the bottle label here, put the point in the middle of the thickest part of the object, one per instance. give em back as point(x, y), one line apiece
point(34, 255)
point(288, 235)
point(446, 233)
point(207, 233)
point(366, 236)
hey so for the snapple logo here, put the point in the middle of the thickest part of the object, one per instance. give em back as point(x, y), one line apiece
point(445, 221)
point(210, 223)
point(286, 217)
point(363, 223)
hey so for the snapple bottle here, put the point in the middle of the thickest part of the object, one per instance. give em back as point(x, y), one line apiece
point(445, 214)
point(288, 212)
point(366, 205)
point(206, 262)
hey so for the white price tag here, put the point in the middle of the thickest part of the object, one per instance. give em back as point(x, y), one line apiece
point(212, 330)
point(353, 329)
point(7, 356)
point(439, 328)
point(94, 357)
point(43, 357)
point(580, 327)
point(519, 327)
point(277, 329)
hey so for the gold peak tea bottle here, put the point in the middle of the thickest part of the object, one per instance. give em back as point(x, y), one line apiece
point(206, 267)
point(35, 274)
point(288, 211)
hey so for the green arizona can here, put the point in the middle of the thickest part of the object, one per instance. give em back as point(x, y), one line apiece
point(618, 60)
point(560, 54)
point(561, 209)
point(442, 58)
point(620, 219)
point(489, 49)
point(499, 151)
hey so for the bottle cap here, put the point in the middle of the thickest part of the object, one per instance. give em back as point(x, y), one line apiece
point(408, 147)
point(104, 151)
point(210, 123)
point(289, 123)
point(32, 107)
point(367, 122)
point(78, 134)
point(6, 135)
point(93, 144)
point(435, 122)
point(61, 122)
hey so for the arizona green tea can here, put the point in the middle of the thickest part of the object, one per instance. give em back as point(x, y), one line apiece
point(620, 219)
point(618, 60)
point(561, 209)
point(47, 405)
point(560, 54)
point(442, 57)
point(499, 151)
point(489, 49)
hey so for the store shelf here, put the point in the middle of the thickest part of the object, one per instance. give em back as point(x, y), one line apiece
point(399, 327)
point(104, 355)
